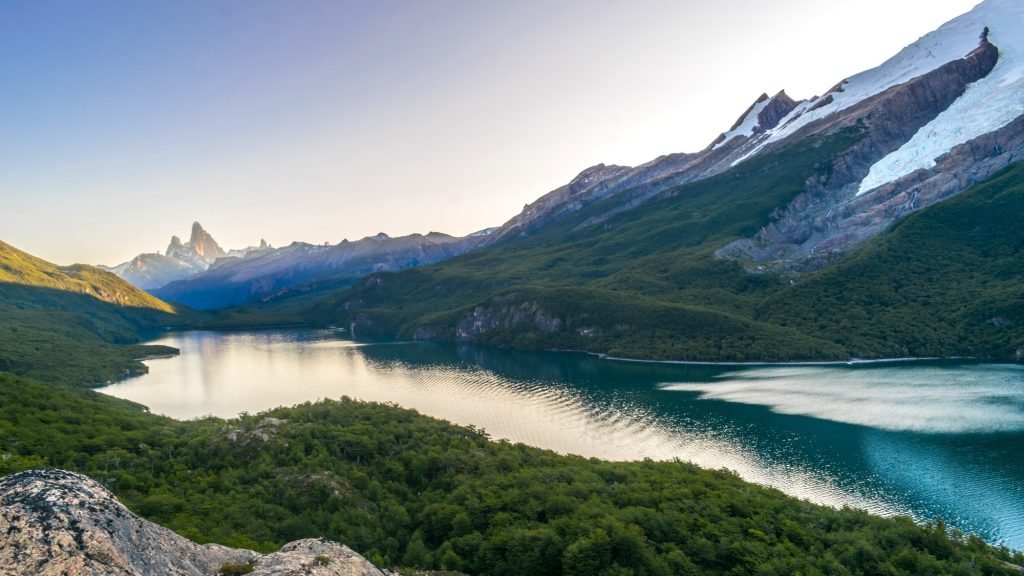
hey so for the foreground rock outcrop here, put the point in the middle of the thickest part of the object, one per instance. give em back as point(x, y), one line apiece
point(54, 522)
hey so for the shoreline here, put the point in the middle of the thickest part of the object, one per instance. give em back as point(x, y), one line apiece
point(605, 356)
point(158, 356)
point(851, 362)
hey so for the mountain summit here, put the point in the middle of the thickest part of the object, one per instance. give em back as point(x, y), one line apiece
point(180, 260)
point(941, 115)
point(201, 250)
point(301, 267)
point(201, 246)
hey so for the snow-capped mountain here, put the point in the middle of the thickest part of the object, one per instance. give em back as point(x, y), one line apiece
point(180, 260)
point(301, 267)
point(203, 275)
point(942, 114)
point(989, 104)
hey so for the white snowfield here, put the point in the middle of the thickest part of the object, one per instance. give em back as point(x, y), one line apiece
point(988, 104)
point(749, 123)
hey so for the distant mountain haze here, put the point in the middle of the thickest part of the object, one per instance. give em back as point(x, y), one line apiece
point(273, 273)
point(179, 260)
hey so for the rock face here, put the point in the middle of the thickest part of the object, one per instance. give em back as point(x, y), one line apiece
point(830, 216)
point(623, 187)
point(179, 260)
point(505, 314)
point(203, 245)
point(55, 522)
point(199, 252)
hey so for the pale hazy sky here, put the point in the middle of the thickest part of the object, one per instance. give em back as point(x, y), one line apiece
point(121, 122)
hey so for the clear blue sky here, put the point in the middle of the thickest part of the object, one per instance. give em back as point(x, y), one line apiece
point(121, 122)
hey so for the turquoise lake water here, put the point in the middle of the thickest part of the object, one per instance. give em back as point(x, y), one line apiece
point(927, 439)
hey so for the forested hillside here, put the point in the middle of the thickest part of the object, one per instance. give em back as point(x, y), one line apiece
point(646, 283)
point(75, 324)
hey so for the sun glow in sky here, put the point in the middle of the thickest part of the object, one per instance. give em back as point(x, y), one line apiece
point(121, 122)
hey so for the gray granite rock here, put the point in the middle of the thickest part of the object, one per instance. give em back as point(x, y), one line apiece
point(54, 522)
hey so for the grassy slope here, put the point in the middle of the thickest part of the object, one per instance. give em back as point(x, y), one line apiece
point(74, 324)
point(645, 284)
point(21, 268)
point(642, 284)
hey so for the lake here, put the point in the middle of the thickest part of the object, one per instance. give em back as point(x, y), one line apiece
point(927, 439)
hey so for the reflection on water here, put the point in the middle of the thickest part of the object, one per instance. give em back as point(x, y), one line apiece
point(927, 440)
point(947, 399)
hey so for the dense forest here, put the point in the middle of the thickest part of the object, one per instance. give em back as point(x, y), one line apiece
point(407, 490)
point(413, 492)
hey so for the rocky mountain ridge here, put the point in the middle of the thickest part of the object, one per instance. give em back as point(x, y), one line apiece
point(672, 259)
point(200, 249)
point(62, 523)
point(179, 260)
point(949, 100)
point(299, 266)
point(627, 187)
point(830, 216)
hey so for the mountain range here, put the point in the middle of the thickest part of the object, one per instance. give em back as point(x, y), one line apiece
point(179, 260)
point(202, 275)
point(760, 246)
point(702, 256)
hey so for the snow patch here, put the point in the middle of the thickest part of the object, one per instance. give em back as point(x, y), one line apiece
point(953, 40)
point(987, 105)
point(747, 124)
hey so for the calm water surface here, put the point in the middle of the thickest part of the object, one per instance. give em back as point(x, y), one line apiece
point(925, 439)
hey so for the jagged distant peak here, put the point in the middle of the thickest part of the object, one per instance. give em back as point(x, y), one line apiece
point(200, 246)
point(761, 116)
point(203, 243)
point(181, 259)
point(198, 233)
